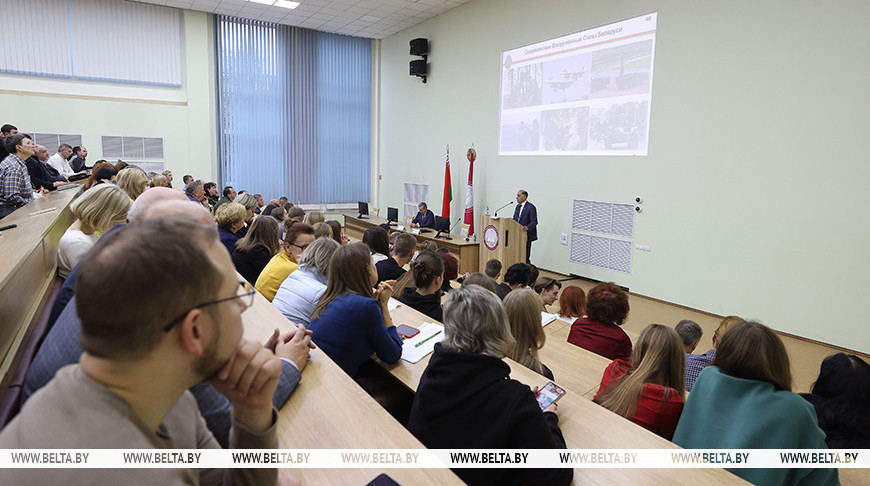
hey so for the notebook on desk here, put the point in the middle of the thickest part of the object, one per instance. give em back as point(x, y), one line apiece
point(418, 347)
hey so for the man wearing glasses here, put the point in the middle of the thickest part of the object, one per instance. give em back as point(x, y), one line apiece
point(129, 390)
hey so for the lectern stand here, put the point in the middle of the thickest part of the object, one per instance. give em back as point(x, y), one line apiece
point(502, 238)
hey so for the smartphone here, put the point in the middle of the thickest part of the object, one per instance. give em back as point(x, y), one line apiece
point(549, 395)
point(407, 331)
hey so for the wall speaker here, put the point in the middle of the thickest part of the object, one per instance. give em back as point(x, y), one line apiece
point(419, 47)
point(419, 67)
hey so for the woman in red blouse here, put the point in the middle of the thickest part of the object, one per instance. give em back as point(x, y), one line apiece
point(599, 331)
point(650, 390)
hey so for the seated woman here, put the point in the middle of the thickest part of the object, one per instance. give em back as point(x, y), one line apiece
point(649, 390)
point(743, 401)
point(322, 230)
point(351, 321)
point(337, 234)
point(92, 179)
point(451, 270)
point(159, 180)
point(230, 218)
point(572, 304)
point(253, 252)
point(378, 242)
point(524, 315)
point(105, 175)
point(301, 291)
point(424, 217)
point(466, 398)
point(97, 210)
point(297, 237)
point(313, 217)
point(841, 397)
point(607, 308)
point(211, 193)
point(250, 204)
point(420, 288)
point(133, 181)
point(481, 279)
point(547, 290)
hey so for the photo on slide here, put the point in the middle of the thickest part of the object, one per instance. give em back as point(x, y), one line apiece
point(619, 126)
point(520, 132)
point(565, 130)
point(623, 70)
point(521, 85)
point(567, 79)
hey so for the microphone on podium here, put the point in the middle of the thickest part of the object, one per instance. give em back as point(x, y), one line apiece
point(499, 209)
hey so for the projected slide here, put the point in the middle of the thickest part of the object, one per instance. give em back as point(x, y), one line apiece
point(586, 93)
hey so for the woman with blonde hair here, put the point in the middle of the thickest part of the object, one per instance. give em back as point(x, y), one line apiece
point(313, 217)
point(297, 237)
point(649, 390)
point(158, 180)
point(695, 363)
point(133, 181)
point(322, 230)
point(351, 321)
point(524, 315)
point(230, 218)
point(250, 204)
point(253, 251)
point(168, 175)
point(743, 400)
point(97, 210)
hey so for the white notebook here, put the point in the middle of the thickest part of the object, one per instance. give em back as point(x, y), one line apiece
point(417, 347)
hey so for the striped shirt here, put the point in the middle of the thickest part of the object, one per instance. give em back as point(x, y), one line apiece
point(15, 190)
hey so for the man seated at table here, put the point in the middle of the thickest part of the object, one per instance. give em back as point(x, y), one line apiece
point(424, 217)
point(403, 250)
point(42, 174)
point(129, 390)
point(15, 186)
point(60, 163)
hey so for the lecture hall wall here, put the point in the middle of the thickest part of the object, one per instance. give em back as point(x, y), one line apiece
point(184, 116)
point(755, 187)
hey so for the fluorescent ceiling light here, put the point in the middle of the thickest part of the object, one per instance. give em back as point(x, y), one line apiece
point(264, 2)
point(369, 18)
point(286, 4)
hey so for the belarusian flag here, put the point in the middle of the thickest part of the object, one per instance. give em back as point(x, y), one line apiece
point(448, 190)
point(469, 195)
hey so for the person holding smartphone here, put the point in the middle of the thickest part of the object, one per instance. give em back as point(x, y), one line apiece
point(466, 398)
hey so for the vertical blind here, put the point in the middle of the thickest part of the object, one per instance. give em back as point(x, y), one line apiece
point(295, 112)
point(104, 40)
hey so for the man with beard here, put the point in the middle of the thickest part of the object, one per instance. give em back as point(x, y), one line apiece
point(129, 390)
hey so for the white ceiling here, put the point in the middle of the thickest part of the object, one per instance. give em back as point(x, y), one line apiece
point(383, 18)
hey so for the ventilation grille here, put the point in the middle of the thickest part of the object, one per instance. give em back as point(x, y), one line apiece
point(52, 141)
point(600, 251)
point(414, 195)
point(137, 149)
point(604, 218)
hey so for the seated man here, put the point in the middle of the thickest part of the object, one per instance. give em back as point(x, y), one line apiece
point(424, 217)
point(690, 334)
point(77, 162)
point(516, 277)
point(129, 390)
point(60, 163)
point(15, 186)
point(42, 174)
point(403, 250)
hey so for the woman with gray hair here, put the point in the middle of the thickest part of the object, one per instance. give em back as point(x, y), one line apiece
point(467, 400)
point(301, 291)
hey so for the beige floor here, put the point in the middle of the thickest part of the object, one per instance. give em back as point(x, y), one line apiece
point(806, 357)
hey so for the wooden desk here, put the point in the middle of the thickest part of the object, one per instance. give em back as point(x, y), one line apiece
point(584, 424)
point(468, 251)
point(28, 267)
point(328, 410)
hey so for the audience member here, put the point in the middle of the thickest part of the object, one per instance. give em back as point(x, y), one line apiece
point(196, 193)
point(168, 174)
point(105, 175)
point(337, 234)
point(743, 400)
point(424, 218)
point(572, 303)
point(268, 209)
point(283, 200)
point(378, 242)
point(250, 204)
point(524, 316)
point(299, 294)
point(41, 174)
point(350, 322)
point(159, 180)
point(95, 212)
point(547, 290)
point(690, 334)
point(421, 287)
point(322, 230)
point(186, 179)
point(178, 332)
point(211, 193)
point(493, 270)
point(467, 399)
point(296, 239)
point(649, 390)
point(253, 251)
point(92, 179)
point(697, 362)
point(260, 203)
point(77, 162)
point(451, 269)
point(478, 278)
point(294, 212)
point(230, 218)
point(5, 131)
point(229, 195)
point(60, 161)
point(428, 245)
point(133, 181)
point(313, 217)
point(841, 397)
point(121, 165)
point(15, 187)
point(600, 332)
point(516, 277)
point(391, 268)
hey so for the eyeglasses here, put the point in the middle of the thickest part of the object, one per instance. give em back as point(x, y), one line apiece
point(246, 298)
point(301, 247)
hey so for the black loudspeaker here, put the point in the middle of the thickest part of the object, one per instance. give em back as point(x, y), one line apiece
point(418, 67)
point(419, 47)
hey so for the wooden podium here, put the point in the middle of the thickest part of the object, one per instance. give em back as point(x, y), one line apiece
point(501, 238)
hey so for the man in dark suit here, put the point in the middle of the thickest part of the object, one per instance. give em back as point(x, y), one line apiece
point(42, 174)
point(527, 215)
point(77, 162)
